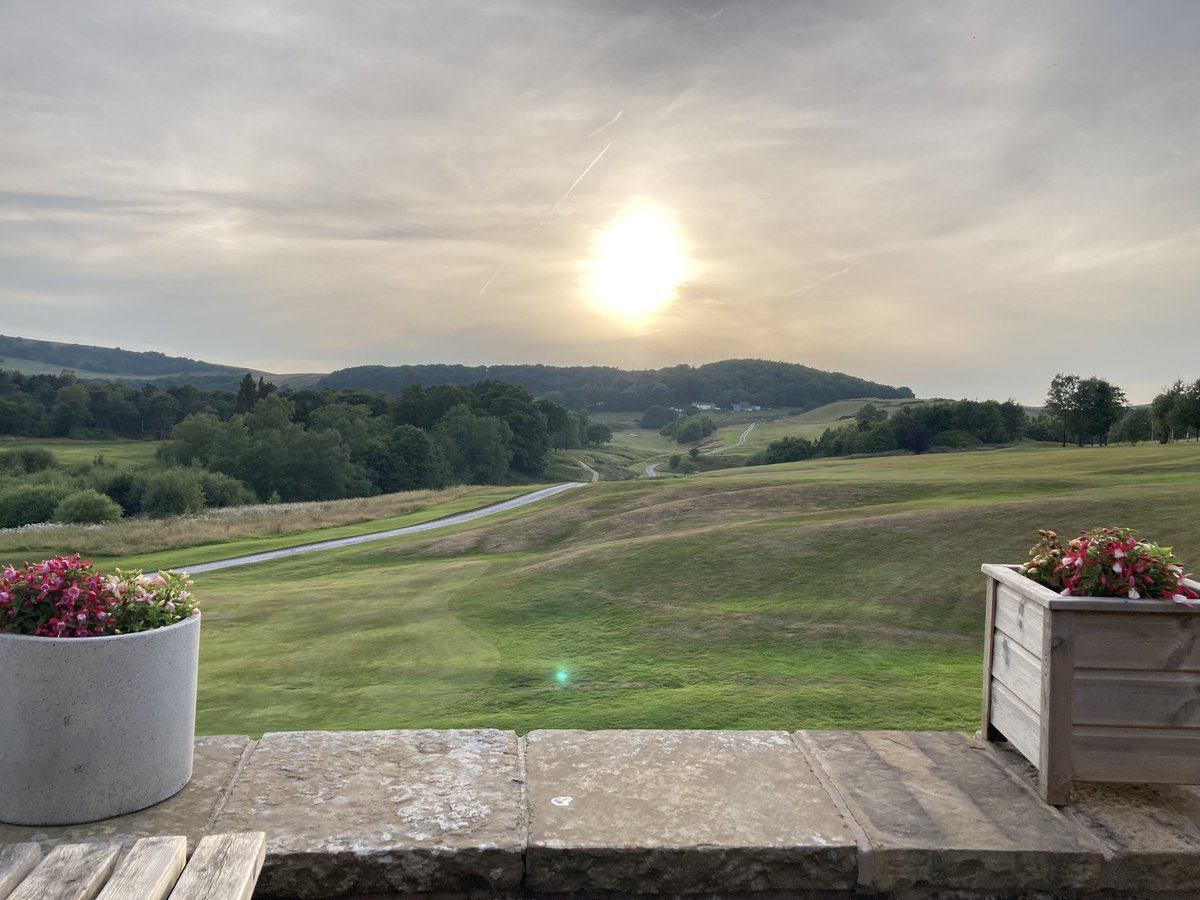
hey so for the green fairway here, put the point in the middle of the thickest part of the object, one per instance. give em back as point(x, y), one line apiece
point(70, 451)
point(839, 593)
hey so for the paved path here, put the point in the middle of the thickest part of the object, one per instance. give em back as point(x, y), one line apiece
point(456, 519)
point(740, 441)
point(652, 470)
point(595, 474)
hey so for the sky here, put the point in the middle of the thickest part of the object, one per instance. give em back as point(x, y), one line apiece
point(961, 197)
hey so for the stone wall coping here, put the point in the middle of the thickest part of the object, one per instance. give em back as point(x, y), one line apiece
point(641, 813)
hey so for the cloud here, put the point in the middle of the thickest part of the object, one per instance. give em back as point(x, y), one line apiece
point(887, 190)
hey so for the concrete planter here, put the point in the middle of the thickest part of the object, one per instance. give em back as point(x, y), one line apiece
point(95, 727)
point(1091, 688)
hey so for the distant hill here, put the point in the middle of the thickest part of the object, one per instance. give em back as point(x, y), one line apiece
point(723, 383)
point(90, 363)
point(756, 381)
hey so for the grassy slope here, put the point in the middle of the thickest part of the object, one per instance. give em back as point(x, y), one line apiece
point(835, 593)
point(70, 451)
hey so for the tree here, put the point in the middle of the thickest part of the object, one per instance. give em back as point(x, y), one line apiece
point(657, 417)
point(1086, 407)
point(1101, 406)
point(1062, 402)
point(869, 413)
point(1136, 426)
point(598, 433)
point(247, 395)
point(476, 447)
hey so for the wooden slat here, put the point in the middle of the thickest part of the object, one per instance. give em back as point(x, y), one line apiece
point(989, 646)
point(1017, 721)
point(1008, 577)
point(1149, 699)
point(1018, 670)
point(16, 861)
point(224, 867)
point(1020, 618)
point(1134, 641)
point(1054, 767)
point(148, 871)
point(69, 872)
point(1161, 755)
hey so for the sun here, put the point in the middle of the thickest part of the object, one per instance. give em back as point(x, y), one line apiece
point(639, 263)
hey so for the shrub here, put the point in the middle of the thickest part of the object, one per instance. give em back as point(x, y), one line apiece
point(29, 504)
point(172, 492)
point(27, 459)
point(224, 490)
point(123, 485)
point(89, 507)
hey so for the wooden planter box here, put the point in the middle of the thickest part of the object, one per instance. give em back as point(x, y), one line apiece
point(1091, 688)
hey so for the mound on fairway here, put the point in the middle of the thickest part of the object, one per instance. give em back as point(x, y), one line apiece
point(837, 593)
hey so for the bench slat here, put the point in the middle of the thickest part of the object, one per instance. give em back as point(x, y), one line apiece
point(148, 871)
point(69, 872)
point(16, 861)
point(224, 867)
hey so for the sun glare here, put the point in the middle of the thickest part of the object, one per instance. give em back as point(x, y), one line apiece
point(639, 263)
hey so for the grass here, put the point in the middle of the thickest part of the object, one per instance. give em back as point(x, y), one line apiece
point(223, 533)
point(828, 594)
point(70, 451)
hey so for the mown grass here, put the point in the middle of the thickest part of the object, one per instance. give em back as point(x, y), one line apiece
point(69, 451)
point(839, 593)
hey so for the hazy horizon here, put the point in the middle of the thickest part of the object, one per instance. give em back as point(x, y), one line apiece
point(964, 198)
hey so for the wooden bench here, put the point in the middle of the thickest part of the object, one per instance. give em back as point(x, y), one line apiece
point(224, 867)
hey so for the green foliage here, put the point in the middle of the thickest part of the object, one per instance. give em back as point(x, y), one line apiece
point(1136, 426)
point(29, 504)
point(1086, 408)
point(578, 387)
point(172, 492)
point(694, 428)
point(657, 416)
point(27, 460)
point(598, 434)
point(222, 490)
point(1175, 413)
point(788, 449)
point(476, 447)
point(88, 506)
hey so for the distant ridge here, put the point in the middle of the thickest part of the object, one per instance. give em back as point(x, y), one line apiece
point(752, 381)
point(724, 383)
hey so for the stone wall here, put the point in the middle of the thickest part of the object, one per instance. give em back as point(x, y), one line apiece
point(484, 813)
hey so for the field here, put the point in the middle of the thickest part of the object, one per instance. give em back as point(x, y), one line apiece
point(835, 593)
point(71, 451)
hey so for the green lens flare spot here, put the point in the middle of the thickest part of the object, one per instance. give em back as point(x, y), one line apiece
point(561, 676)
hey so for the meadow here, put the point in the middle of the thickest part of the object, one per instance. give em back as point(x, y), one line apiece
point(831, 593)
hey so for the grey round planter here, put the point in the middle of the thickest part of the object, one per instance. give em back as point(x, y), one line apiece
point(95, 727)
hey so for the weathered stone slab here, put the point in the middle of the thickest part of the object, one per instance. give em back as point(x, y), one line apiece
point(1152, 845)
point(381, 812)
point(1150, 835)
point(187, 813)
point(940, 812)
point(685, 812)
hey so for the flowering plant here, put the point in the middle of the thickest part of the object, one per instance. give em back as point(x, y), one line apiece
point(66, 597)
point(1108, 562)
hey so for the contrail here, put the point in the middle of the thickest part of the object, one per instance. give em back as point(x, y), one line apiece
point(499, 268)
point(571, 188)
point(809, 287)
point(612, 121)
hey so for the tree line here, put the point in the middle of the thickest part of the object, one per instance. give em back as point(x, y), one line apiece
point(228, 448)
point(755, 381)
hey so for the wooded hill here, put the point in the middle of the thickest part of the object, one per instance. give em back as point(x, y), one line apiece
point(752, 381)
point(724, 383)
